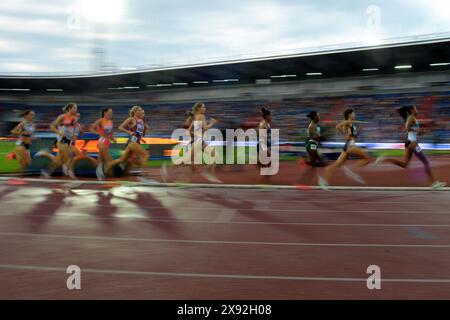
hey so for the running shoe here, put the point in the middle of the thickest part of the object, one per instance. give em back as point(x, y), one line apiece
point(438, 185)
point(349, 173)
point(380, 159)
point(65, 169)
point(11, 156)
point(323, 183)
point(45, 174)
point(71, 174)
point(164, 173)
point(99, 172)
point(210, 177)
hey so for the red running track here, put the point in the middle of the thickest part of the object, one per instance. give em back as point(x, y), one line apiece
point(295, 173)
point(174, 243)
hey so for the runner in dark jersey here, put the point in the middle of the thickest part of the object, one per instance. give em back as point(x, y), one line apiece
point(136, 128)
point(314, 160)
point(313, 141)
point(350, 131)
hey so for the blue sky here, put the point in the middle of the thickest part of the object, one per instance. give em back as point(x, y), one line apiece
point(65, 36)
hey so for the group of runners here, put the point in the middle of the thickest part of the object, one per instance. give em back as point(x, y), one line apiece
point(67, 128)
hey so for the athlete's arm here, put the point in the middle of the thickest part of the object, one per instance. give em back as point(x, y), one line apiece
point(82, 129)
point(94, 127)
point(17, 129)
point(211, 123)
point(123, 127)
point(54, 125)
point(340, 127)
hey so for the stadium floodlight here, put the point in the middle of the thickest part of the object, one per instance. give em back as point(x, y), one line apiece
point(440, 64)
point(131, 88)
point(119, 88)
point(55, 90)
point(151, 85)
point(180, 84)
point(200, 82)
point(370, 69)
point(407, 66)
point(284, 76)
point(102, 11)
point(314, 74)
point(227, 80)
point(164, 85)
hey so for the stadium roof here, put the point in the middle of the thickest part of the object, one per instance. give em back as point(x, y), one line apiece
point(387, 59)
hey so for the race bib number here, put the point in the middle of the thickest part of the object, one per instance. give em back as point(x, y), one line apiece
point(313, 147)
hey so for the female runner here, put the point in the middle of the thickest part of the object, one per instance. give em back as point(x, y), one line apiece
point(348, 129)
point(199, 124)
point(104, 127)
point(265, 143)
point(24, 130)
point(65, 127)
point(412, 129)
point(136, 128)
point(312, 145)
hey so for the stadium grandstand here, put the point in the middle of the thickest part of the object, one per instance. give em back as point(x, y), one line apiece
point(373, 80)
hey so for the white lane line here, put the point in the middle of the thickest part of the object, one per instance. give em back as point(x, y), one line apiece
point(256, 243)
point(43, 203)
point(227, 219)
point(273, 202)
point(217, 276)
point(229, 186)
point(271, 211)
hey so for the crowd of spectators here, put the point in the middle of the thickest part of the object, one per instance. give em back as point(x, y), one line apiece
point(383, 124)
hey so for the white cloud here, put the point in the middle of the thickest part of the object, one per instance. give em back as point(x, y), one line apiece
point(438, 10)
point(51, 27)
point(42, 33)
point(14, 46)
point(34, 7)
point(25, 67)
point(71, 54)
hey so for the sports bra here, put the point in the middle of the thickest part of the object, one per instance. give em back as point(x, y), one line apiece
point(138, 131)
point(317, 130)
point(69, 126)
point(105, 127)
point(353, 130)
point(28, 129)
